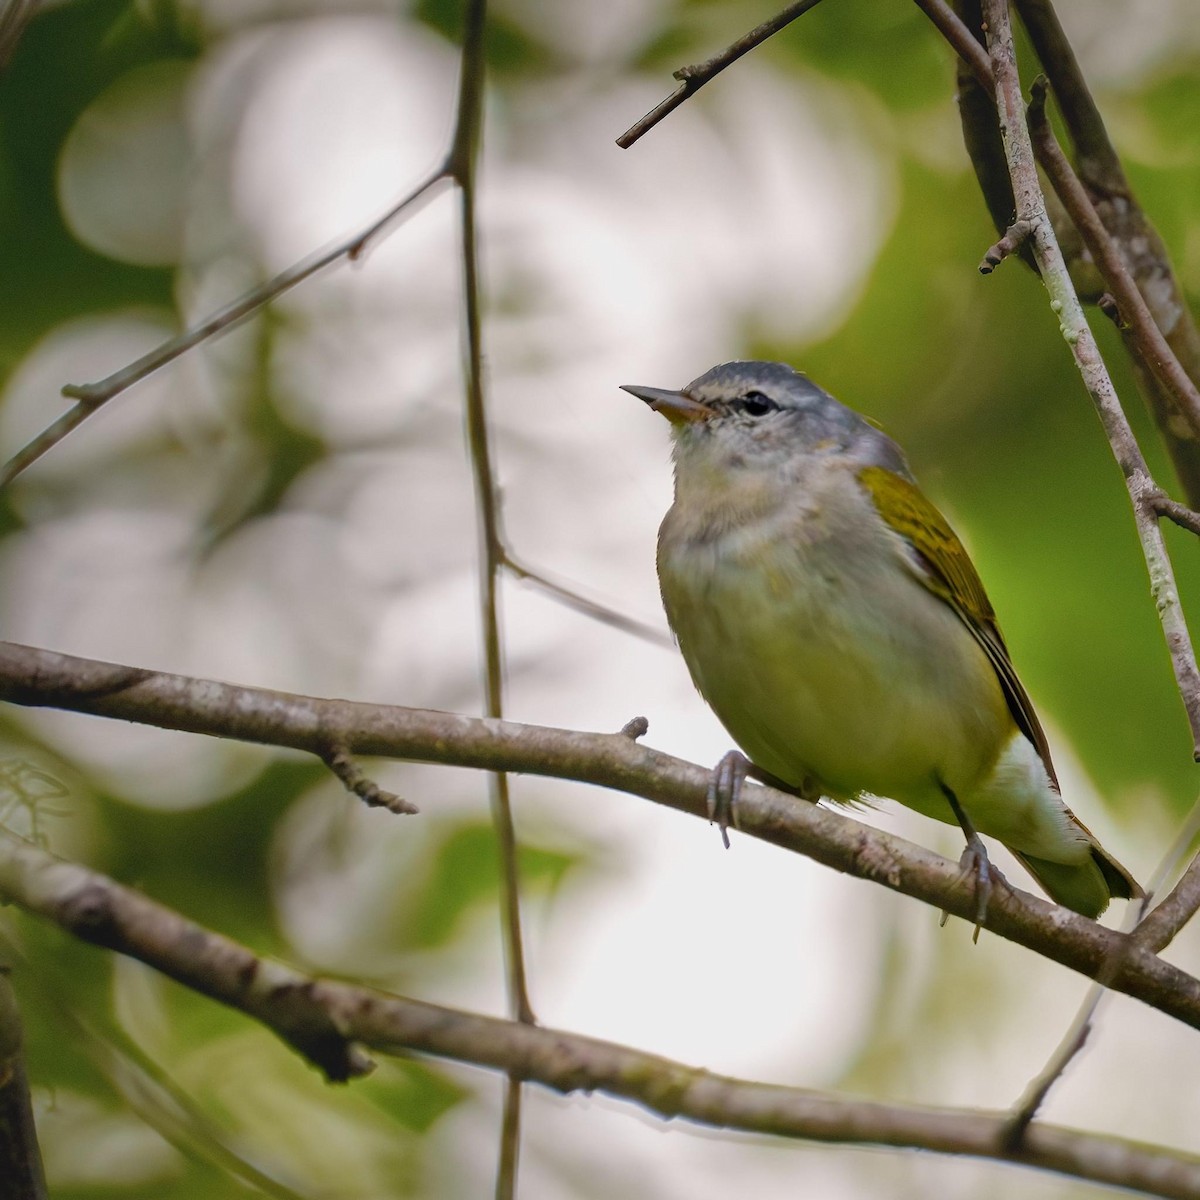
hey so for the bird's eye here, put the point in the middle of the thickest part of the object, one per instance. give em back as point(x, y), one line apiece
point(756, 404)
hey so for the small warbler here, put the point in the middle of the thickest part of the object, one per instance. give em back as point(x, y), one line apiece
point(837, 627)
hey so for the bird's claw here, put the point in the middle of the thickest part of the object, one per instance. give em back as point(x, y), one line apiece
point(974, 861)
point(724, 790)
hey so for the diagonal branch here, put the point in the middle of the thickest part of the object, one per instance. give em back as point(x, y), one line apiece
point(91, 396)
point(44, 678)
point(292, 1004)
point(1128, 232)
point(694, 77)
point(1031, 208)
point(1151, 345)
point(570, 598)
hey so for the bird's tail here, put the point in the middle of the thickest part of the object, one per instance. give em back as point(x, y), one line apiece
point(1085, 887)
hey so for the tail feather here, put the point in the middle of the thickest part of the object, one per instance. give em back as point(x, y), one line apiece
point(1085, 887)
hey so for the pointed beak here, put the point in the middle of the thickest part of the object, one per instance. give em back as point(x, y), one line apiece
point(678, 407)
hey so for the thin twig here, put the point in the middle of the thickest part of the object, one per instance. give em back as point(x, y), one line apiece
point(1098, 159)
point(1073, 1041)
point(21, 1175)
point(1145, 934)
point(291, 1004)
point(1140, 244)
point(44, 678)
point(1134, 312)
point(1180, 514)
point(367, 790)
point(1158, 929)
point(463, 159)
point(92, 396)
point(1031, 207)
point(590, 608)
point(144, 1086)
point(961, 39)
point(694, 77)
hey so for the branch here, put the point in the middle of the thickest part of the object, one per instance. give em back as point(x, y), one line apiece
point(693, 78)
point(286, 1001)
point(1098, 159)
point(42, 678)
point(463, 159)
point(1125, 223)
point(21, 1176)
point(968, 48)
point(570, 598)
point(1153, 348)
point(1153, 934)
point(145, 1087)
point(91, 396)
point(1031, 207)
point(1140, 244)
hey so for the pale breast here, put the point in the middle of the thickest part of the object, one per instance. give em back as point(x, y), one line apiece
point(818, 648)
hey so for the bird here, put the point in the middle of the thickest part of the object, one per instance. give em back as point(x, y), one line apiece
point(835, 624)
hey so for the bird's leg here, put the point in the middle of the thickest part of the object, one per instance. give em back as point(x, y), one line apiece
point(724, 789)
point(974, 859)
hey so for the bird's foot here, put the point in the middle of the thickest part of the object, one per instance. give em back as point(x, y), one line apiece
point(974, 861)
point(724, 790)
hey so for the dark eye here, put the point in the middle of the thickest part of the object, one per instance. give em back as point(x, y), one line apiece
point(756, 404)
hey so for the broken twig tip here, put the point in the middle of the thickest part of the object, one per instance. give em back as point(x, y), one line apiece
point(635, 728)
point(1014, 237)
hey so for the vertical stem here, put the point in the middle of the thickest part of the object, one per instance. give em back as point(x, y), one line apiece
point(462, 162)
point(21, 1176)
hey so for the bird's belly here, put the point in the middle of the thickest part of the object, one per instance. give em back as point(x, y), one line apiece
point(849, 682)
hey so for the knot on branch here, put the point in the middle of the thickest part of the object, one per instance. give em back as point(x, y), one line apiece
point(635, 728)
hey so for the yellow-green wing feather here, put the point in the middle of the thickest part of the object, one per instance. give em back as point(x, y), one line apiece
point(951, 576)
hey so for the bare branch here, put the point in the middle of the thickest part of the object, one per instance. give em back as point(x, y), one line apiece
point(1073, 1041)
point(590, 608)
point(1148, 932)
point(694, 77)
point(1141, 247)
point(21, 1176)
point(1153, 348)
point(1180, 514)
point(91, 396)
point(1031, 207)
point(145, 1087)
point(1097, 159)
point(964, 42)
point(1158, 930)
point(487, 504)
point(293, 1005)
point(463, 159)
point(44, 678)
